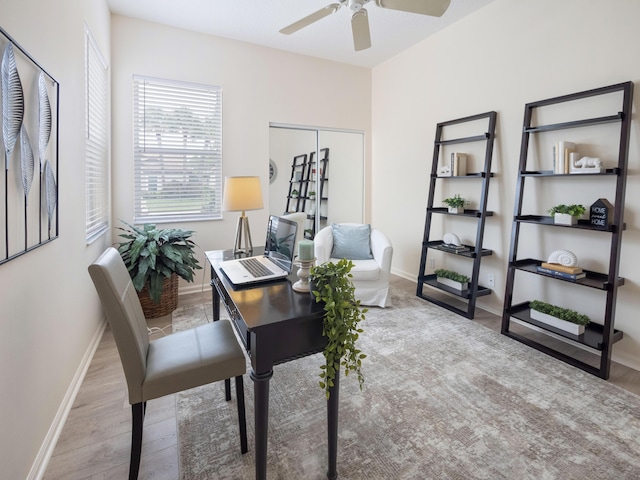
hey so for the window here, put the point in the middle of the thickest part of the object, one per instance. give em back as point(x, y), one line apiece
point(177, 142)
point(96, 140)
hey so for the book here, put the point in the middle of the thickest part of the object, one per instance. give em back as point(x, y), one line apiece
point(453, 248)
point(458, 164)
point(561, 268)
point(563, 275)
point(561, 154)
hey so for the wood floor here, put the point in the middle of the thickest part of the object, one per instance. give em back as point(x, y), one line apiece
point(96, 439)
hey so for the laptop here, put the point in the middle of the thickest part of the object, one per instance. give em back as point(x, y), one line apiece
point(277, 261)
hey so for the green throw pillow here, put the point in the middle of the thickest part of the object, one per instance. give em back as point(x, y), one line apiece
point(352, 242)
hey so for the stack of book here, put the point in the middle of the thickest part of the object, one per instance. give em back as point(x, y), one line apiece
point(561, 157)
point(449, 247)
point(561, 271)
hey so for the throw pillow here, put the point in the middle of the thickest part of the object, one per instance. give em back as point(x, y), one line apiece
point(352, 242)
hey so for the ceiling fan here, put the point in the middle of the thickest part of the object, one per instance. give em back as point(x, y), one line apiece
point(360, 20)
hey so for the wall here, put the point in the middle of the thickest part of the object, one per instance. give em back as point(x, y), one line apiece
point(260, 85)
point(50, 316)
point(506, 54)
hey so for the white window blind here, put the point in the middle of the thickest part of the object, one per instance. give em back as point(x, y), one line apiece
point(96, 140)
point(177, 141)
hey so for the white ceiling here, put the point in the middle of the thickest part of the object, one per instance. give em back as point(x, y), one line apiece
point(259, 22)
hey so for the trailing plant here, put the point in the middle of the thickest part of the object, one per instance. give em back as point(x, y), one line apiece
point(559, 312)
point(451, 275)
point(152, 254)
point(573, 210)
point(456, 201)
point(332, 285)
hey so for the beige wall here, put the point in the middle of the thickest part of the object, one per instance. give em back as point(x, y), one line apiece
point(260, 85)
point(507, 54)
point(50, 314)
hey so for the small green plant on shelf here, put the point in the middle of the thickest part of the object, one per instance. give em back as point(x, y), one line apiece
point(312, 194)
point(559, 312)
point(294, 193)
point(333, 287)
point(451, 275)
point(456, 201)
point(573, 210)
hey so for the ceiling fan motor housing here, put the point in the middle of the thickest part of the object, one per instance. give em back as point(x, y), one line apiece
point(356, 5)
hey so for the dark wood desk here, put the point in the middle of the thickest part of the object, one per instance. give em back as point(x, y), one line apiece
point(276, 324)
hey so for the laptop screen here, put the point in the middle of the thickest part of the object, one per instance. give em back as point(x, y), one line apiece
point(281, 239)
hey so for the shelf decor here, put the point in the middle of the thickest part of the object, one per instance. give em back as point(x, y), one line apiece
point(567, 214)
point(558, 317)
point(452, 279)
point(29, 217)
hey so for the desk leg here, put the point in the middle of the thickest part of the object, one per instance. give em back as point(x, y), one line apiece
point(332, 427)
point(261, 412)
point(215, 305)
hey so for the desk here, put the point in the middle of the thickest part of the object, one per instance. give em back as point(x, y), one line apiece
point(276, 325)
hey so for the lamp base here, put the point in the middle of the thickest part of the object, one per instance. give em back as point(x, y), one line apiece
point(242, 230)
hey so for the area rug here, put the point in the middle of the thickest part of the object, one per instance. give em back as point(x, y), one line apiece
point(444, 398)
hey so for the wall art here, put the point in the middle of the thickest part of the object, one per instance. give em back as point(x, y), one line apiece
point(29, 187)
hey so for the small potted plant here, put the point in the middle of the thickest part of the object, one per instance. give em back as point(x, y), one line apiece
point(452, 279)
point(331, 285)
point(155, 259)
point(562, 318)
point(312, 195)
point(455, 204)
point(294, 193)
point(567, 214)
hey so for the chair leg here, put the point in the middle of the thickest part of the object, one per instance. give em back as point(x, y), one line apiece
point(242, 418)
point(137, 411)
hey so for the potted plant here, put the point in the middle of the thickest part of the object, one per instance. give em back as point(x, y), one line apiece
point(567, 214)
point(312, 195)
point(155, 259)
point(456, 203)
point(452, 279)
point(294, 193)
point(562, 318)
point(331, 285)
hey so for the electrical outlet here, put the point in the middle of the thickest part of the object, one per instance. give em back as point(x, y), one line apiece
point(491, 280)
point(432, 263)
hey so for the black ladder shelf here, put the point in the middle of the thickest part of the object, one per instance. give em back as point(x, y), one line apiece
point(475, 252)
point(316, 176)
point(297, 185)
point(598, 336)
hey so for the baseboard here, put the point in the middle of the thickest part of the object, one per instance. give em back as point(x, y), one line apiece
point(46, 450)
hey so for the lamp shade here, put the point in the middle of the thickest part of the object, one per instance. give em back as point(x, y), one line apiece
point(241, 194)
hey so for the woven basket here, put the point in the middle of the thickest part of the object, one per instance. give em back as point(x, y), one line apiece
point(168, 299)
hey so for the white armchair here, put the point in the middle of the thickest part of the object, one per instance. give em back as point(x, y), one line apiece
point(370, 276)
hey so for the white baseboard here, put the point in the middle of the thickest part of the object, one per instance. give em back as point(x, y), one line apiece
point(46, 450)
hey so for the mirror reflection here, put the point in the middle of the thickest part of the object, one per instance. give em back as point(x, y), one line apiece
point(316, 192)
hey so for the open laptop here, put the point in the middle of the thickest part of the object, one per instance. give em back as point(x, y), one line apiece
point(277, 260)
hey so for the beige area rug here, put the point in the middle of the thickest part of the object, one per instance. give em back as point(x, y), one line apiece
point(444, 398)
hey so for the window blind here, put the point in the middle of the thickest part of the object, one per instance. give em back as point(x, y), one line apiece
point(177, 141)
point(96, 140)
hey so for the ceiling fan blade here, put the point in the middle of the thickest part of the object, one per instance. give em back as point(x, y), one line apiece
point(309, 19)
point(434, 8)
point(360, 28)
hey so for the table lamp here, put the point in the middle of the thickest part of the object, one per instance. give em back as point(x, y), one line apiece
point(242, 194)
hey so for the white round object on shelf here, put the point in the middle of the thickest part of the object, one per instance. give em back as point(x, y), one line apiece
point(451, 239)
point(563, 257)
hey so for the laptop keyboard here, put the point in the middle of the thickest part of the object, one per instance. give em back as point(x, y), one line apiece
point(255, 268)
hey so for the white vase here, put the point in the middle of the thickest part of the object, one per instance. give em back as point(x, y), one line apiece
point(456, 209)
point(452, 283)
point(564, 219)
point(556, 322)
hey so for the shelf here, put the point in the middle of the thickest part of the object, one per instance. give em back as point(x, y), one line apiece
point(576, 123)
point(475, 252)
point(595, 280)
point(592, 336)
point(436, 245)
point(466, 294)
point(582, 224)
point(467, 176)
point(467, 213)
point(550, 173)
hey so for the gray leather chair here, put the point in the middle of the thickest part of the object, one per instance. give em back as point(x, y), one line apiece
point(176, 362)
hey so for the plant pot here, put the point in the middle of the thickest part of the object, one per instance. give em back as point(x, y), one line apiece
point(564, 219)
point(453, 284)
point(168, 299)
point(550, 320)
point(455, 209)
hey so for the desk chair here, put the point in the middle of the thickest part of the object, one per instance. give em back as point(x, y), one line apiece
point(370, 251)
point(176, 362)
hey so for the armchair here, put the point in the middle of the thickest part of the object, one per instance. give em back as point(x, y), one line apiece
point(370, 275)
